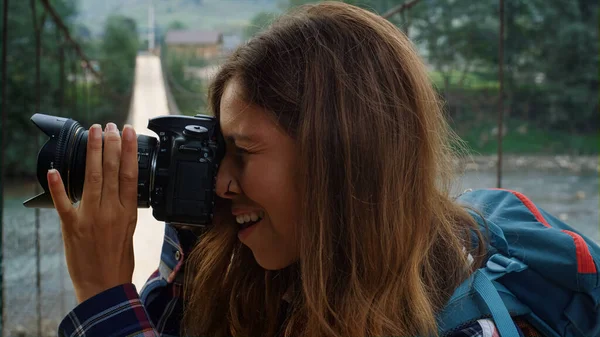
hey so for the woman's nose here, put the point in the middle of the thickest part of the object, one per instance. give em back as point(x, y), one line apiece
point(227, 185)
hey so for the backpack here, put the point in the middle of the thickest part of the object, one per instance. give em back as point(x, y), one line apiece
point(537, 267)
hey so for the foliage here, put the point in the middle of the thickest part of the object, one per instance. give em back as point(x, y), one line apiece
point(550, 61)
point(189, 92)
point(69, 93)
point(481, 139)
point(119, 47)
point(176, 25)
point(550, 52)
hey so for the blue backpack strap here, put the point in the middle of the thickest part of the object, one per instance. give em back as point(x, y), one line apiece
point(481, 296)
point(485, 288)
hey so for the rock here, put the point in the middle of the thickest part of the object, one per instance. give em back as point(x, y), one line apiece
point(471, 166)
point(522, 130)
point(49, 328)
point(563, 216)
point(20, 331)
point(484, 138)
point(580, 195)
point(563, 162)
point(494, 131)
point(545, 165)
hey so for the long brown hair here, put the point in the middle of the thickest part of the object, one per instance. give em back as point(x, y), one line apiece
point(382, 243)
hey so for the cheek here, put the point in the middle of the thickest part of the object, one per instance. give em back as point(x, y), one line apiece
point(270, 183)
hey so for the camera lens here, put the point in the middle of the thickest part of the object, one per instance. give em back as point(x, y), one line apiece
point(66, 150)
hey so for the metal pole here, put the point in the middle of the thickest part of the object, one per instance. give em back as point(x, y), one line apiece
point(4, 85)
point(60, 106)
point(74, 88)
point(86, 93)
point(501, 94)
point(61, 71)
point(38, 97)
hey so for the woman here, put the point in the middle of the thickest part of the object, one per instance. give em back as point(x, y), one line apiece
point(336, 179)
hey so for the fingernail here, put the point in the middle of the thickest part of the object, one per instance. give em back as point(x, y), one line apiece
point(111, 127)
point(128, 133)
point(53, 175)
point(96, 131)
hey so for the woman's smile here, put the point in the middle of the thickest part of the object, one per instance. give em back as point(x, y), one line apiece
point(245, 230)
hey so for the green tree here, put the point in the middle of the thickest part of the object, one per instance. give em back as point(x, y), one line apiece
point(550, 52)
point(68, 92)
point(119, 49)
point(176, 25)
point(21, 94)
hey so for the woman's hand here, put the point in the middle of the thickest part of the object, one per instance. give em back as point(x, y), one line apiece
point(98, 234)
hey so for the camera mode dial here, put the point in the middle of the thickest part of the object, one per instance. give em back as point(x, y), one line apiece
point(196, 131)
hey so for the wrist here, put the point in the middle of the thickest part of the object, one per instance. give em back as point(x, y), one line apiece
point(84, 293)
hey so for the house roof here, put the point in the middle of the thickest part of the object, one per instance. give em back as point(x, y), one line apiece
point(193, 37)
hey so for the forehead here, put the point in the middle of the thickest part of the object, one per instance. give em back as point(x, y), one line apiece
point(238, 117)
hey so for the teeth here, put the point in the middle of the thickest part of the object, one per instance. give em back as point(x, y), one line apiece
point(254, 216)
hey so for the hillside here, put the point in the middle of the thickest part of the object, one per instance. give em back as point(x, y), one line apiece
point(224, 15)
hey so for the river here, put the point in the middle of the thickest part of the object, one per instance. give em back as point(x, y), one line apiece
point(571, 196)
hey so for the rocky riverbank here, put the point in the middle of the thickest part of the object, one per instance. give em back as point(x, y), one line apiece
point(575, 164)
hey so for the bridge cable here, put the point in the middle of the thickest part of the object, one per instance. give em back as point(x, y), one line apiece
point(500, 94)
point(60, 106)
point(4, 84)
point(68, 37)
point(37, 27)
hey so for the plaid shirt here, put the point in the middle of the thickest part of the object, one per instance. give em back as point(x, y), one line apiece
point(157, 310)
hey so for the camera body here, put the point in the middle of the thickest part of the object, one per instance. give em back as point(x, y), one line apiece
point(183, 169)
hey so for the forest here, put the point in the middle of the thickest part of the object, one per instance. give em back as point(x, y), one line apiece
point(550, 64)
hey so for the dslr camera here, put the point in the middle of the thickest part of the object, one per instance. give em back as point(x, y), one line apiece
point(177, 170)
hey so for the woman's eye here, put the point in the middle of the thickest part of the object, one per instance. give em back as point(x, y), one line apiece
point(241, 152)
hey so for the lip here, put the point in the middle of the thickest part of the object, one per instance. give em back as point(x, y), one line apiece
point(244, 233)
point(241, 211)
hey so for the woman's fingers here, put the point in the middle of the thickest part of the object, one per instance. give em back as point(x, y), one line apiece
point(63, 205)
point(110, 163)
point(128, 173)
point(92, 186)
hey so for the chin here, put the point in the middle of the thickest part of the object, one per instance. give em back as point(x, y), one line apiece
point(273, 262)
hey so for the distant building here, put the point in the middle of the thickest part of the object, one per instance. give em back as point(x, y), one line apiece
point(196, 43)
